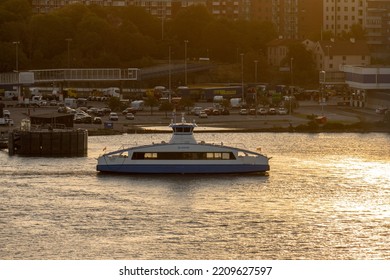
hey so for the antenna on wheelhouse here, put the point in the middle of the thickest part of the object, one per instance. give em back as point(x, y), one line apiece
point(183, 120)
point(173, 120)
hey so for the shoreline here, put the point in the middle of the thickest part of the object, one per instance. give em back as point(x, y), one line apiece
point(303, 128)
point(340, 119)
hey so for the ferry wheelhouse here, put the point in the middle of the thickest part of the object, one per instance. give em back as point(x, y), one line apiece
point(183, 155)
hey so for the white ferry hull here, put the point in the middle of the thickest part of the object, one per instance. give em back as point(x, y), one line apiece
point(183, 168)
point(183, 155)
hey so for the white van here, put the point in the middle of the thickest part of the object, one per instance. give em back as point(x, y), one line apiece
point(138, 105)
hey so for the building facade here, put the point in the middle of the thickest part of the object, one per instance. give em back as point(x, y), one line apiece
point(340, 15)
point(277, 51)
point(293, 19)
point(377, 26)
point(331, 55)
point(233, 9)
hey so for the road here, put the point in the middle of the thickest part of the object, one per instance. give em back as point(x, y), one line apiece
point(334, 113)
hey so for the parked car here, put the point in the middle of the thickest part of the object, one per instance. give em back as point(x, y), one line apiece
point(129, 110)
point(81, 114)
point(6, 114)
point(262, 111)
point(113, 116)
point(216, 112)
point(202, 114)
point(272, 111)
point(10, 122)
point(97, 120)
point(209, 110)
point(252, 111)
point(129, 116)
point(196, 111)
point(92, 111)
point(243, 112)
point(82, 119)
point(381, 110)
point(282, 111)
point(105, 110)
point(225, 111)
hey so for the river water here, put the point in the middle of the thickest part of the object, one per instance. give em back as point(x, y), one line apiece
point(327, 196)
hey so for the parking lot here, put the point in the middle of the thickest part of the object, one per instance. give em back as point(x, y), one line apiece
point(235, 119)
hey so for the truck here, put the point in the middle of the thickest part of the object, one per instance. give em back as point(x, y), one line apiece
point(37, 100)
point(138, 105)
point(112, 92)
point(9, 95)
point(218, 99)
point(235, 102)
point(70, 102)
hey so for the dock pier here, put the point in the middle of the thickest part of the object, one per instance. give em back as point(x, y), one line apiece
point(49, 143)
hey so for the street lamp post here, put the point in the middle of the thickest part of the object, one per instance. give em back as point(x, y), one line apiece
point(291, 71)
point(169, 74)
point(185, 62)
point(242, 77)
point(292, 83)
point(256, 61)
point(16, 43)
point(68, 40)
point(328, 47)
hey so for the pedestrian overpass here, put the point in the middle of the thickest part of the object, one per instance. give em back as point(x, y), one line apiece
point(60, 76)
point(68, 75)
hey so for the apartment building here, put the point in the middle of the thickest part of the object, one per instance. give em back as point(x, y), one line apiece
point(45, 6)
point(233, 9)
point(309, 18)
point(377, 26)
point(293, 19)
point(261, 10)
point(340, 15)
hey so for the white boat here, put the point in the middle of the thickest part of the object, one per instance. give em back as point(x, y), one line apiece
point(183, 155)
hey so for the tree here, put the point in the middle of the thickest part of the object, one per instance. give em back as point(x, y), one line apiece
point(166, 107)
point(220, 41)
point(356, 31)
point(303, 65)
point(187, 102)
point(152, 102)
point(115, 104)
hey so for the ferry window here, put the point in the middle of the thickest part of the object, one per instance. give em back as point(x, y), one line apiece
point(225, 156)
point(217, 155)
point(241, 154)
point(210, 156)
point(137, 156)
point(150, 155)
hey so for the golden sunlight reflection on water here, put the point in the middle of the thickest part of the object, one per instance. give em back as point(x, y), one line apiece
point(326, 197)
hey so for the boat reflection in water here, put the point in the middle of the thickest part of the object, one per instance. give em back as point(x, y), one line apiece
point(183, 155)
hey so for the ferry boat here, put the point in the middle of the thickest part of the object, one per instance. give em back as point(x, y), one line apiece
point(183, 155)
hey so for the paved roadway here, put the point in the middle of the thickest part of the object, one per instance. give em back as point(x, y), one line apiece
point(346, 115)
